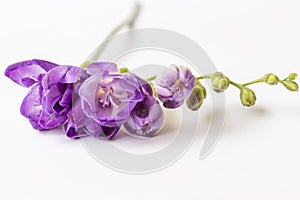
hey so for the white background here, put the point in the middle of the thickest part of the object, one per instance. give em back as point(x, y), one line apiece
point(258, 154)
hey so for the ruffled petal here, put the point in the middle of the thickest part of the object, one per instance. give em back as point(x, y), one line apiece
point(50, 98)
point(146, 119)
point(71, 132)
point(50, 121)
point(87, 92)
point(31, 107)
point(54, 76)
point(168, 76)
point(73, 75)
point(100, 67)
point(27, 73)
point(67, 97)
point(79, 125)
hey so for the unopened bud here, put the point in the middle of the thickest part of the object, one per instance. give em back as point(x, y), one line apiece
point(123, 70)
point(292, 76)
point(218, 74)
point(195, 100)
point(219, 82)
point(247, 96)
point(290, 85)
point(271, 79)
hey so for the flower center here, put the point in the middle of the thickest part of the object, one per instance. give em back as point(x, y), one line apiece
point(175, 89)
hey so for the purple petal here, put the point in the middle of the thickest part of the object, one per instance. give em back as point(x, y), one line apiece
point(66, 98)
point(100, 67)
point(172, 103)
point(146, 119)
point(80, 125)
point(73, 74)
point(31, 106)
point(87, 92)
point(46, 65)
point(50, 98)
point(51, 121)
point(71, 132)
point(27, 73)
point(54, 76)
point(168, 76)
point(62, 74)
point(174, 85)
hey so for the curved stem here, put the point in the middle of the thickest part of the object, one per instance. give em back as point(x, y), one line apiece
point(204, 76)
point(255, 81)
point(151, 78)
point(236, 85)
point(126, 23)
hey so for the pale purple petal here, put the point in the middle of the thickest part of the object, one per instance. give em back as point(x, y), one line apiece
point(100, 67)
point(87, 92)
point(173, 85)
point(79, 125)
point(146, 119)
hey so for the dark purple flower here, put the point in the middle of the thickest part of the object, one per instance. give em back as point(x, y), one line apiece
point(50, 97)
point(173, 85)
point(146, 118)
point(109, 97)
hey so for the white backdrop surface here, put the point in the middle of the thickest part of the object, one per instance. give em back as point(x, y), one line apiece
point(258, 154)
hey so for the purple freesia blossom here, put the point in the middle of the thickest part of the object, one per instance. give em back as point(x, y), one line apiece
point(173, 85)
point(92, 102)
point(108, 97)
point(50, 97)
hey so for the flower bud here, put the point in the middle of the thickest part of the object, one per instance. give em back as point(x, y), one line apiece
point(124, 70)
point(247, 96)
point(218, 74)
point(292, 76)
point(195, 100)
point(290, 85)
point(219, 82)
point(271, 79)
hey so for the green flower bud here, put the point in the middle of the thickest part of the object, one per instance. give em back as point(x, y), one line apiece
point(195, 100)
point(247, 96)
point(123, 70)
point(292, 76)
point(217, 74)
point(290, 85)
point(219, 82)
point(271, 79)
point(198, 84)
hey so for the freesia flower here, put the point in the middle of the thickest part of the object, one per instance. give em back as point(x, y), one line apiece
point(173, 85)
point(50, 97)
point(109, 97)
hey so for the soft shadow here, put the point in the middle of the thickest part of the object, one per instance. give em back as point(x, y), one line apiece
point(237, 118)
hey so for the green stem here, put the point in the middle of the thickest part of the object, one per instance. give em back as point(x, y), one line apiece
point(204, 76)
point(240, 86)
point(255, 81)
point(151, 78)
point(94, 56)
